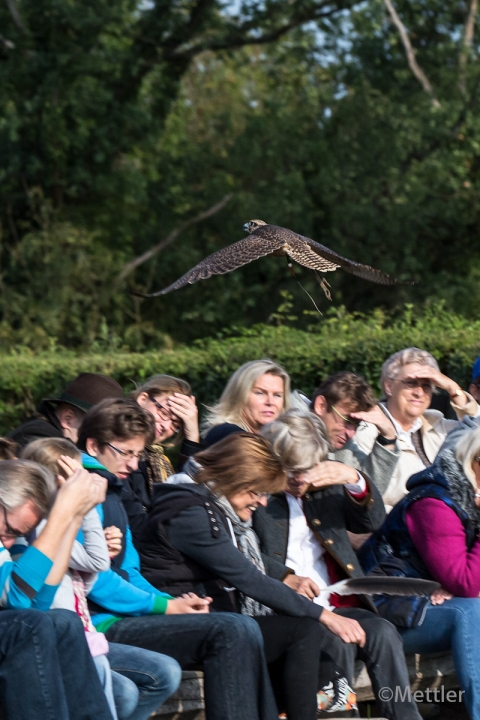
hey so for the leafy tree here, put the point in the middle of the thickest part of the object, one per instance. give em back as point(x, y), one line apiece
point(120, 121)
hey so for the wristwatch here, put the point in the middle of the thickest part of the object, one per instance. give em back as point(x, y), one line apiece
point(386, 441)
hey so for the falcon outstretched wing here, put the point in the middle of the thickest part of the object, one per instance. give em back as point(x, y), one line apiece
point(364, 271)
point(302, 253)
point(225, 260)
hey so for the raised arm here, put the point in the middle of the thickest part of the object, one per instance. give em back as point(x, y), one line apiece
point(90, 551)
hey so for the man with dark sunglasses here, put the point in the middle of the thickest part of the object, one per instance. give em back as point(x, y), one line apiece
point(343, 401)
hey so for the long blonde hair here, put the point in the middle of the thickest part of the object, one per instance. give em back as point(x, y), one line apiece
point(229, 408)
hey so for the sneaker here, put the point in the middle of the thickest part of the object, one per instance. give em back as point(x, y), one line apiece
point(337, 699)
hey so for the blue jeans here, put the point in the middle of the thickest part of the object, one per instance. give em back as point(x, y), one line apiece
point(142, 680)
point(105, 674)
point(229, 647)
point(454, 626)
point(46, 670)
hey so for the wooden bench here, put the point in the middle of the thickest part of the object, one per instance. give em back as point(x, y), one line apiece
point(426, 671)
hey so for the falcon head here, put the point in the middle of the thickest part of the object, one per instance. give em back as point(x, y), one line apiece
point(253, 225)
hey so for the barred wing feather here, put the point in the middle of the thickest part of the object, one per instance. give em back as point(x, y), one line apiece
point(364, 271)
point(225, 260)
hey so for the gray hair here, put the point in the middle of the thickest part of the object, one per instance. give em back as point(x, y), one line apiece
point(392, 366)
point(468, 448)
point(229, 408)
point(23, 480)
point(298, 438)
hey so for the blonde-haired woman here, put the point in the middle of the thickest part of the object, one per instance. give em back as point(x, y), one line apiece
point(433, 533)
point(199, 539)
point(256, 394)
point(409, 378)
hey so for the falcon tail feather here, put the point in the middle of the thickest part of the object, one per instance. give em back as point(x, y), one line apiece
point(384, 585)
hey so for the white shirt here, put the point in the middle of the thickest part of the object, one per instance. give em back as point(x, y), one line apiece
point(304, 552)
point(405, 435)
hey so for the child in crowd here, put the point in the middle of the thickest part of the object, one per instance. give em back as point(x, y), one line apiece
point(91, 554)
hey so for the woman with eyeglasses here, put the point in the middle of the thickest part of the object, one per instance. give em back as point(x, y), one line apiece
point(199, 538)
point(409, 378)
point(130, 610)
point(170, 402)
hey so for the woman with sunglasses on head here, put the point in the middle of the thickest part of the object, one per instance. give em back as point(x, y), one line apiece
point(199, 538)
point(170, 402)
point(409, 378)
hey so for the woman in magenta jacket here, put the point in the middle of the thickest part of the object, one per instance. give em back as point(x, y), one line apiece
point(434, 533)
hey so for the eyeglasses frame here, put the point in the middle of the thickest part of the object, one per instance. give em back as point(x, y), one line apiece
point(128, 453)
point(165, 413)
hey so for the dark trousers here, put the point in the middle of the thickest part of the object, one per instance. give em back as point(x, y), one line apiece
point(228, 646)
point(46, 670)
point(384, 658)
point(292, 649)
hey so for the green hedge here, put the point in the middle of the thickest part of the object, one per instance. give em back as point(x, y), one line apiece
point(340, 341)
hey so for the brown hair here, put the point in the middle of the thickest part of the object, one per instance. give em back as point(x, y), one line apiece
point(161, 385)
point(9, 449)
point(46, 452)
point(164, 385)
point(120, 419)
point(346, 387)
point(241, 461)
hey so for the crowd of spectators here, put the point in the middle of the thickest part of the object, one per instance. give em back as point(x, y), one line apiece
point(135, 544)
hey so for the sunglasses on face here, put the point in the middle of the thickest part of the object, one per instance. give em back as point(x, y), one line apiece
point(414, 383)
point(346, 420)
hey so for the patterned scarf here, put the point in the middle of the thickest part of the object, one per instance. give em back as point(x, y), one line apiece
point(81, 605)
point(159, 467)
point(247, 543)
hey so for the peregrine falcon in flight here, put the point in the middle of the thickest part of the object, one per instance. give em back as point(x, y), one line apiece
point(264, 239)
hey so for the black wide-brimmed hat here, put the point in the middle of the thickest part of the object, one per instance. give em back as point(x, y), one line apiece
point(87, 390)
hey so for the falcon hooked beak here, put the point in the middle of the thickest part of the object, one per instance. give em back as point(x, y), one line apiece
point(253, 225)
